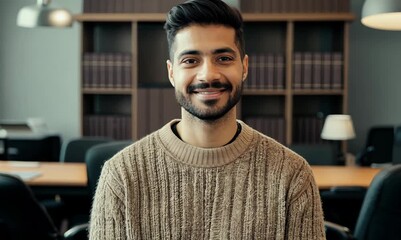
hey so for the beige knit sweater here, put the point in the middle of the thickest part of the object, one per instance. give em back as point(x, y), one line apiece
point(163, 188)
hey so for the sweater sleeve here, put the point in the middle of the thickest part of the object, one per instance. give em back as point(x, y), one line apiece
point(305, 214)
point(107, 218)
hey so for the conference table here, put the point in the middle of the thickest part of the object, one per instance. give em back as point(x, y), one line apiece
point(58, 176)
point(50, 178)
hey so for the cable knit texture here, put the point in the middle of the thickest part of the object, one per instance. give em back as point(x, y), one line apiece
point(163, 188)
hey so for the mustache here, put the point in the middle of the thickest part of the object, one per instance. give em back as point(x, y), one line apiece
point(205, 85)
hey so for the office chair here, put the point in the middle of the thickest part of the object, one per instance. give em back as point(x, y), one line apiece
point(378, 148)
point(380, 214)
point(45, 149)
point(95, 158)
point(397, 146)
point(316, 154)
point(340, 204)
point(3, 148)
point(21, 215)
point(75, 149)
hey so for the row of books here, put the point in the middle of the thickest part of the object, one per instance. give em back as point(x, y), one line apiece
point(271, 126)
point(317, 70)
point(295, 6)
point(113, 126)
point(107, 70)
point(265, 71)
point(307, 129)
point(129, 6)
point(156, 107)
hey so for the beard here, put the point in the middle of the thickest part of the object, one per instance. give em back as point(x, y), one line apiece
point(212, 113)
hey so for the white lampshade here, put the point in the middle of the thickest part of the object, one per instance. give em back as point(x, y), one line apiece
point(43, 15)
point(338, 127)
point(382, 14)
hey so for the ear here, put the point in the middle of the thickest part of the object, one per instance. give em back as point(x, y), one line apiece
point(245, 67)
point(170, 72)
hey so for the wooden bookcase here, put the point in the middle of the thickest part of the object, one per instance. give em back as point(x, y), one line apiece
point(148, 102)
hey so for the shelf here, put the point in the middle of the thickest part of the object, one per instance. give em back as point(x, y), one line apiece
point(120, 17)
point(317, 92)
point(254, 17)
point(248, 17)
point(273, 92)
point(114, 91)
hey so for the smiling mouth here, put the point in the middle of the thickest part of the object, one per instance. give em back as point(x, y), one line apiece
point(208, 91)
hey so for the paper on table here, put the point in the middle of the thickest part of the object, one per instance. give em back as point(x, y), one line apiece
point(23, 164)
point(24, 175)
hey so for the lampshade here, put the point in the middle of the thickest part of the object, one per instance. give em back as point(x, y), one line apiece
point(43, 15)
point(338, 127)
point(382, 14)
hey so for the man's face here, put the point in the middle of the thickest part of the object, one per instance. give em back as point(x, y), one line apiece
point(207, 70)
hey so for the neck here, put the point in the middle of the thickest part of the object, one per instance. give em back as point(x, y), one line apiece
point(207, 134)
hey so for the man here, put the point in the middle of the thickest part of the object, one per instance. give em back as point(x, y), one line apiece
point(207, 175)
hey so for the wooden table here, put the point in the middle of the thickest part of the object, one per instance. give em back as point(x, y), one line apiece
point(49, 173)
point(56, 174)
point(341, 176)
point(51, 178)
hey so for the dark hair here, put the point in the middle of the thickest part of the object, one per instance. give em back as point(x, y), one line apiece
point(204, 12)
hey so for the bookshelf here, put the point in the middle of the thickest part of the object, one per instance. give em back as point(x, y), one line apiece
point(298, 73)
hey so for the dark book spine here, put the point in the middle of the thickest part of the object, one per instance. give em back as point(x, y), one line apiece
point(336, 70)
point(297, 71)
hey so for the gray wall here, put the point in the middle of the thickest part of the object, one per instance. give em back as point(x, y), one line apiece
point(39, 73)
point(375, 77)
point(39, 70)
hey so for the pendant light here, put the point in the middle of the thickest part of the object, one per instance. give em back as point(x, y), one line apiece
point(43, 15)
point(382, 14)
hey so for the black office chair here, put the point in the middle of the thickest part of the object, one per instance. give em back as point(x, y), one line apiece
point(21, 215)
point(75, 149)
point(316, 154)
point(380, 215)
point(397, 146)
point(378, 148)
point(95, 159)
point(43, 149)
point(97, 156)
point(340, 204)
point(3, 148)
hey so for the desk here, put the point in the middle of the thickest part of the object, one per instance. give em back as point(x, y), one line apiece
point(53, 177)
point(56, 174)
point(341, 176)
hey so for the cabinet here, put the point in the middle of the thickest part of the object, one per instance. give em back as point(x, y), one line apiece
point(298, 74)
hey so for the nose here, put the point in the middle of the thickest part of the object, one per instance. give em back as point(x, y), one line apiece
point(208, 72)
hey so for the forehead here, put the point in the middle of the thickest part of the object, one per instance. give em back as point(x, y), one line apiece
point(204, 38)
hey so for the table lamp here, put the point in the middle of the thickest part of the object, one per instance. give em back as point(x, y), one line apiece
point(338, 127)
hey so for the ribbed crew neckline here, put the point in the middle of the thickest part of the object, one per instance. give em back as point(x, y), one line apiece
point(205, 157)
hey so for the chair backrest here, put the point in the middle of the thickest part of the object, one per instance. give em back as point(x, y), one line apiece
point(21, 216)
point(75, 149)
point(379, 146)
point(380, 215)
point(46, 148)
point(397, 146)
point(97, 156)
point(316, 154)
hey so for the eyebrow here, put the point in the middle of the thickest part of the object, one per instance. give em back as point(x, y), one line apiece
point(216, 51)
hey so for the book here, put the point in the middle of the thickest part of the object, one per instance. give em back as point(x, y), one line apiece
point(326, 63)
point(336, 70)
point(270, 71)
point(307, 70)
point(279, 71)
point(317, 70)
point(297, 70)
